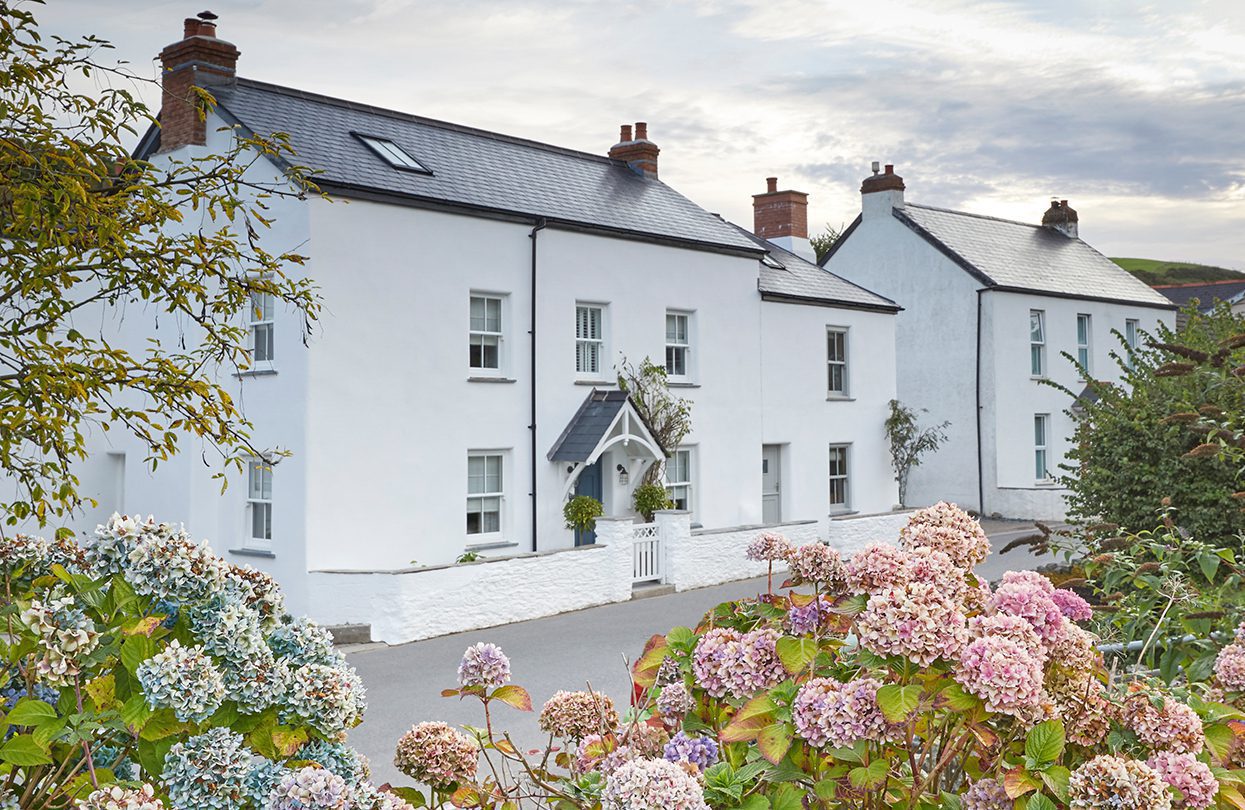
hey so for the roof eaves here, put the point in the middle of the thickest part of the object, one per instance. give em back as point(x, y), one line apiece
point(943, 248)
point(1104, 299)
point(787, 298)
point(356, 191)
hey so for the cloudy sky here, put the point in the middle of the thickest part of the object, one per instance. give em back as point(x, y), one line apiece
point(1133, 111)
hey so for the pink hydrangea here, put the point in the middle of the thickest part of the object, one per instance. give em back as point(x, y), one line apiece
point(675, 700)
point(817, 562)
point(1073, 607)
point(1029, 578)
point(1195, 781)
point(652, 784)
point(1001, 625)
point(933, 567)
point(916, 620)
point(1173, 727)
point(949, 529)
point(829, 712)
point(483, 665)
point(740, 664)
point(1114, 783)
point(1076, 650)
point(879, 566)
point(986, 794)
point(436, 754)
point(768, 547)
point(1031, 602)
point(1003, 673)
point(576, 715)
point(1230, 668)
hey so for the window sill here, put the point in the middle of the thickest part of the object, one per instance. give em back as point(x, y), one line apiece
point(839, 398)
point(255, 372)
point(596, 382)
point(491, 379)
point(1046, 484)
point(842, 513)
point(253, 552)
point(682, 384)
point(497, 544)
point(1037, 377)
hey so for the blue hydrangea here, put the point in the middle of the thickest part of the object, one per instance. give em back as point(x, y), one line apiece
point(227, 628)
point(175, 569)
point(110, 756)
point(264, 777)
point(341, 759)
point(256, 684)
point(183, 679)
point(208, 772)
point(700, 751)
point(301, 641)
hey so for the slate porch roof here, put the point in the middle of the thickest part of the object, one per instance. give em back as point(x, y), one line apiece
point(1207, 293)
point(471, 168)
point(591, 422)
point(1019, 256)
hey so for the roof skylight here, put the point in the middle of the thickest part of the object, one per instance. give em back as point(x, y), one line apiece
point(392, 154)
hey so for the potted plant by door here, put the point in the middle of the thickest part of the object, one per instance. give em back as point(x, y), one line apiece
point(649, 499)
point(581, 513)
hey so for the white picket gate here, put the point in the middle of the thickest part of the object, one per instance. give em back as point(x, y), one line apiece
point(647, 553)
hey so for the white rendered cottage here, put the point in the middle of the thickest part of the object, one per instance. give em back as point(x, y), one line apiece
point(991, 306)
point(479, 290)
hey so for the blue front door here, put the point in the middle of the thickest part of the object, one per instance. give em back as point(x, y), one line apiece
point(589, 483)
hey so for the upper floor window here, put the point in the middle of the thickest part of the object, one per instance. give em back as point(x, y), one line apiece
point(678, 344)
point(262, 324)
point(484, 494)
point(836, 361)
point(484, 341)
point(1037, 343)
point(1041, 434)
point(679, 479)
point(838, 478)
point(1084, 331)
point(589, 338)
point(259, 501)
point(1132, 331)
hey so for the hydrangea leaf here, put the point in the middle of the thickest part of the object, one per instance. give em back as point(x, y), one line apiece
point(515, 696)
point(1018, 782)
point(23, 751)
point(1056, 780)
point(796, 653)
point(774, 741)
point(1045, 741)
point(1039, 801)
point(31, 712)
point(897, 702)
point(288, 740)
point(787, 797)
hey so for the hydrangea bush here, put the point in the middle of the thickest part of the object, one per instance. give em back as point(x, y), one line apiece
point(894, 679)
point(144, 672)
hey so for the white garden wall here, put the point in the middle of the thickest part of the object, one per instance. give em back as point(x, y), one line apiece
point(418, 603)
point(712, 556)
point(851, 533)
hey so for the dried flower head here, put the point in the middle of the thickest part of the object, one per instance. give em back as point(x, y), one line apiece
point(1113, 783)
point(437, 755)
point(652, 784)
point(576, 715)
point(768, 547)
point(947, 528)
point(830, 712)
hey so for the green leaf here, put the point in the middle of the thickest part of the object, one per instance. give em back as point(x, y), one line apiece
point(151, 754)
point(136, 712)
point(774, 741)
point(897, 702)
point(680, 637)
point(787, 797)
point(31, 712)
point(796, 653)
point(1039, 801)
point(23, 751)
point(957, 699)
point(163, 723)
point(874, 775)
point(755, 802)
point(1056, 780)
point(135, 650)
point(412, 796)
point(1045, 741)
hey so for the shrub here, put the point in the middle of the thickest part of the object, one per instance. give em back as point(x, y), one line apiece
point(144, 668)
point(648, 499)
point(581, 512)
point(915, 685)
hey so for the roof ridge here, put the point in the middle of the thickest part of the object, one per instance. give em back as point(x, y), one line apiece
point(434, 122)
point(976, 216)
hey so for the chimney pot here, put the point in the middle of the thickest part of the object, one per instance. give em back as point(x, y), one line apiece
point(890, 168)
point(639, 153)
point(641, 131)
point(777, 214)
point(624, 134)
point(771, 185)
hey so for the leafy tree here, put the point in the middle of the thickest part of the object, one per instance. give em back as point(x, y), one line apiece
point(822, 242)
point(668, 416)
point(909, 441)
point(1134, 450)
point(86, 230)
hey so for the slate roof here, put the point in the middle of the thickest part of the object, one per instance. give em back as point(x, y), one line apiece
point(590, 423)
point(791, 277)
point(1206, 293)
point(1008, 255)
point(472, 168)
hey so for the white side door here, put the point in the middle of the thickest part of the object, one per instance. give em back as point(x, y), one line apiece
point(771, 484)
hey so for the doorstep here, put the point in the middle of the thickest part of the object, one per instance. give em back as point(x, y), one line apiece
point(649, 589)
point(350, 634)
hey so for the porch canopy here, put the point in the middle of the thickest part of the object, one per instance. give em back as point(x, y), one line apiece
point(606, 419)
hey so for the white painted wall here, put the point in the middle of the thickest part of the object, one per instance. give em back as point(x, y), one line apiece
point(712, 556)
point(805, 422)
point(852, 533)
point(935, 339)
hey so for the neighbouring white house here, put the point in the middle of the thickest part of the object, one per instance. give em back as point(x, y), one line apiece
point(478, 291)
point(992, 309)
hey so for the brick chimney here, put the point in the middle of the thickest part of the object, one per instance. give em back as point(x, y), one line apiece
point(639, 152)
point(881, 192)
point(1061, 217)
point(198, 59)
point(782, 218)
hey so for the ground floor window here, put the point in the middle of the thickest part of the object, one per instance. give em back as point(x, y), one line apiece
point(679, 479)
point(1041, 432)
point(839, 490)
point(259, 501)
point(484, 494)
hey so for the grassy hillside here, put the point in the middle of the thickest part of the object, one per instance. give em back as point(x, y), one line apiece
point(1153, 271)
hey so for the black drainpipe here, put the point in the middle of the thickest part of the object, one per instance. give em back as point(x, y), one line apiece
point(981, 478)
point(537, 227)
